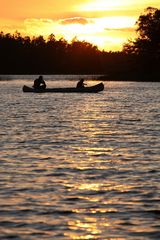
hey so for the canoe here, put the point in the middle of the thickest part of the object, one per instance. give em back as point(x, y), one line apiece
point(92, 89)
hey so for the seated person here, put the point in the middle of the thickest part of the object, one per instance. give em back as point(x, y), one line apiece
point(81, 83)
point(39, 83)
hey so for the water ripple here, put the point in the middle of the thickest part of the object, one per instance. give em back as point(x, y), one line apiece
point(76, 167)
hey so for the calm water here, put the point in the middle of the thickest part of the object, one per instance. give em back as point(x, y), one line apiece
point(80, 166)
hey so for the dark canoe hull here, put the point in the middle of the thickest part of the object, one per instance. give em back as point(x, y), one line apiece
point(93, 89)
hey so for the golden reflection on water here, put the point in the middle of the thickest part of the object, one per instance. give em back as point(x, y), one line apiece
point(93, 227)
point(89, 224)
point(96, 150)
point(102, 186)
point(95, 210)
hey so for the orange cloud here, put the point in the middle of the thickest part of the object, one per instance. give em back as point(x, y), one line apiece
point(75, 20)
point(129, 29)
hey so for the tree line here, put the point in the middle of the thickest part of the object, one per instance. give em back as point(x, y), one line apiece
point(139, 58)
point(26, 55)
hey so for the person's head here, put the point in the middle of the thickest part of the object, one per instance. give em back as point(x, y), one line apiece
point(82, 80)
point(40, 77)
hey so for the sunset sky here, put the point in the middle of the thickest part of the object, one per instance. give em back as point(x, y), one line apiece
point(105, 23)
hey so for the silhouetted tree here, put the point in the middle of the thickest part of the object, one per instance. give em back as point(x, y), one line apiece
point(148, 29)
point(147, 45)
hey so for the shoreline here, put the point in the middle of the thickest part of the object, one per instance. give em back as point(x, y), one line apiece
point(87, 77)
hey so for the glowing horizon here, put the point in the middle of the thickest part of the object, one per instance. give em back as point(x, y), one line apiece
point(105, 23)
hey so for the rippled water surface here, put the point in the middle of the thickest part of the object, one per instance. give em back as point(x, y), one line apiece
point(80, 166)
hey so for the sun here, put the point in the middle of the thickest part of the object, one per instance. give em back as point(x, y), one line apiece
point(105, 32)
point(116, 22)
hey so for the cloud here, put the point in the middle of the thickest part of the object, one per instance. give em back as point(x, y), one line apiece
point(38, 22)
point(127, 29)
point(75, 20)
point(42, 26)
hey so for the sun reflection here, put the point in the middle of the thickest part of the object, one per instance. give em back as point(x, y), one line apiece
point(76, 236)
point(89, 228)
point(89, 225)
point(99, 186)
point(97, 151)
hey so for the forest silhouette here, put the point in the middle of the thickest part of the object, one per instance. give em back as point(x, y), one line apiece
point(138, 60)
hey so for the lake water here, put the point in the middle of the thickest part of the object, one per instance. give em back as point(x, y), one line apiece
point(80, 166)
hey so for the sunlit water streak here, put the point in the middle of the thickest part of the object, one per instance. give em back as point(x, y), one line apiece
point(80, 166)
